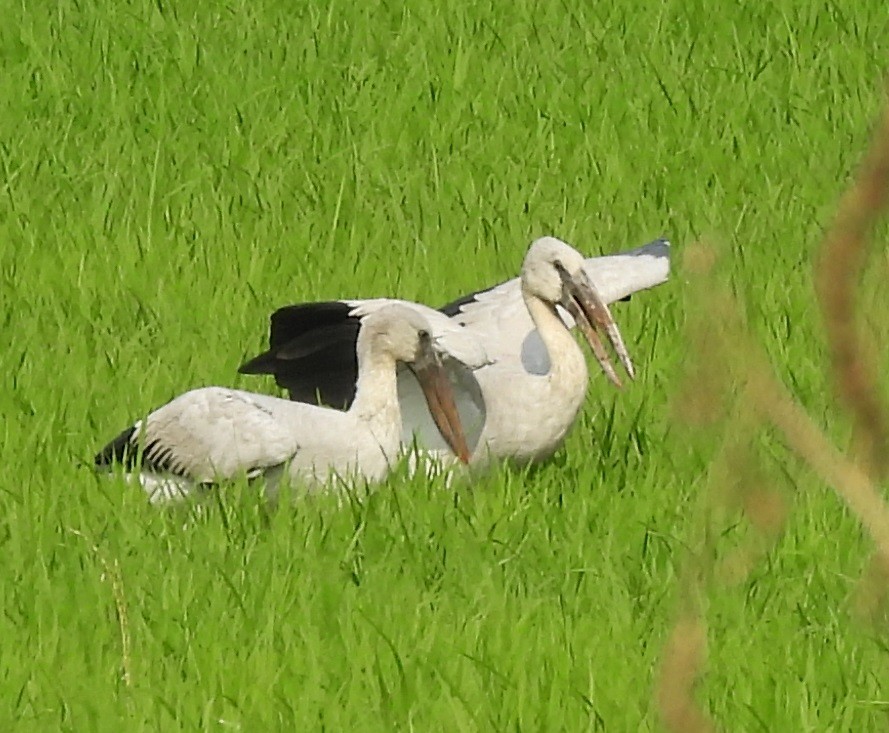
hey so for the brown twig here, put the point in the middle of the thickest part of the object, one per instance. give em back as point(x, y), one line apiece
point(683, 660)
point(764, 393)
point(727, 355)
point(837, 275)
point(802, 435)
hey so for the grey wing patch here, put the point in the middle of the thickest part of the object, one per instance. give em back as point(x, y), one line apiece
point(233, 433)
point(535, 356)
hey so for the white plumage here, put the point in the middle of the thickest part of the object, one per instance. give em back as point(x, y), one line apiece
point(213, 434)
point(522, 403)
point(499, 317)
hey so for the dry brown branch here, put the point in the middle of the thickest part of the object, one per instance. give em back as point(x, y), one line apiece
point(733, 483)
point(870, 597)
point(745, 489)
point(764, 393)
point(727, 358)
point(806, 439)
point(685, 652)
point(682, 663)
point(843, 253)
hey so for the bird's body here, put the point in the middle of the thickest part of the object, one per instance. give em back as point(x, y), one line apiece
point(528, 414)
point(523, 402)
point(215, 434)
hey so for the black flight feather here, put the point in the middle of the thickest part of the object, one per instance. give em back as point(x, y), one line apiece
point(312, 353)
point(120, 450)
point(453, 308)
point(126, 451)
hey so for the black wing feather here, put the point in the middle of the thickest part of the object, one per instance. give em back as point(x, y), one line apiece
point(126, 450)
point(120, 450)
point(454, 307)
point(312, 353)
point(312, 346)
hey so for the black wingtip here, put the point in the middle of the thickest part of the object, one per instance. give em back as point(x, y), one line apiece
point(456, 306)
point(312, 353)
point(120, 450)
point(262, 364)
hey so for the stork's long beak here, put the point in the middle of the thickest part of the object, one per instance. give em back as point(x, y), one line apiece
point(439, 393)
point(584, 303)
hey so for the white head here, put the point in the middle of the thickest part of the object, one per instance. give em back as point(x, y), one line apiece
point(553, 272)
point(546, 264)
point(404, 335)
point(397, 331)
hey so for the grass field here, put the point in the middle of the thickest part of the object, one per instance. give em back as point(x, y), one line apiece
point(170, 176)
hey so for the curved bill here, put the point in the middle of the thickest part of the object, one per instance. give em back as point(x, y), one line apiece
point(439, 394)
point(581, 299)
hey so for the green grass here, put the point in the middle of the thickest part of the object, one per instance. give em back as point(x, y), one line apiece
point(168, 176)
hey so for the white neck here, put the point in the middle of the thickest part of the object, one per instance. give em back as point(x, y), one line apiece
point(568, 369)
point(376, 393)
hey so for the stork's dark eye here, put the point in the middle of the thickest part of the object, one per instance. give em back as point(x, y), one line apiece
point(423, 334)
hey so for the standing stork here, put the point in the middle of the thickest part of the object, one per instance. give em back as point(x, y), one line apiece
point(213, 434)
point(522, 404)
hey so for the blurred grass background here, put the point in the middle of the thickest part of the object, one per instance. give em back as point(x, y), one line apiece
point(170, 174)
